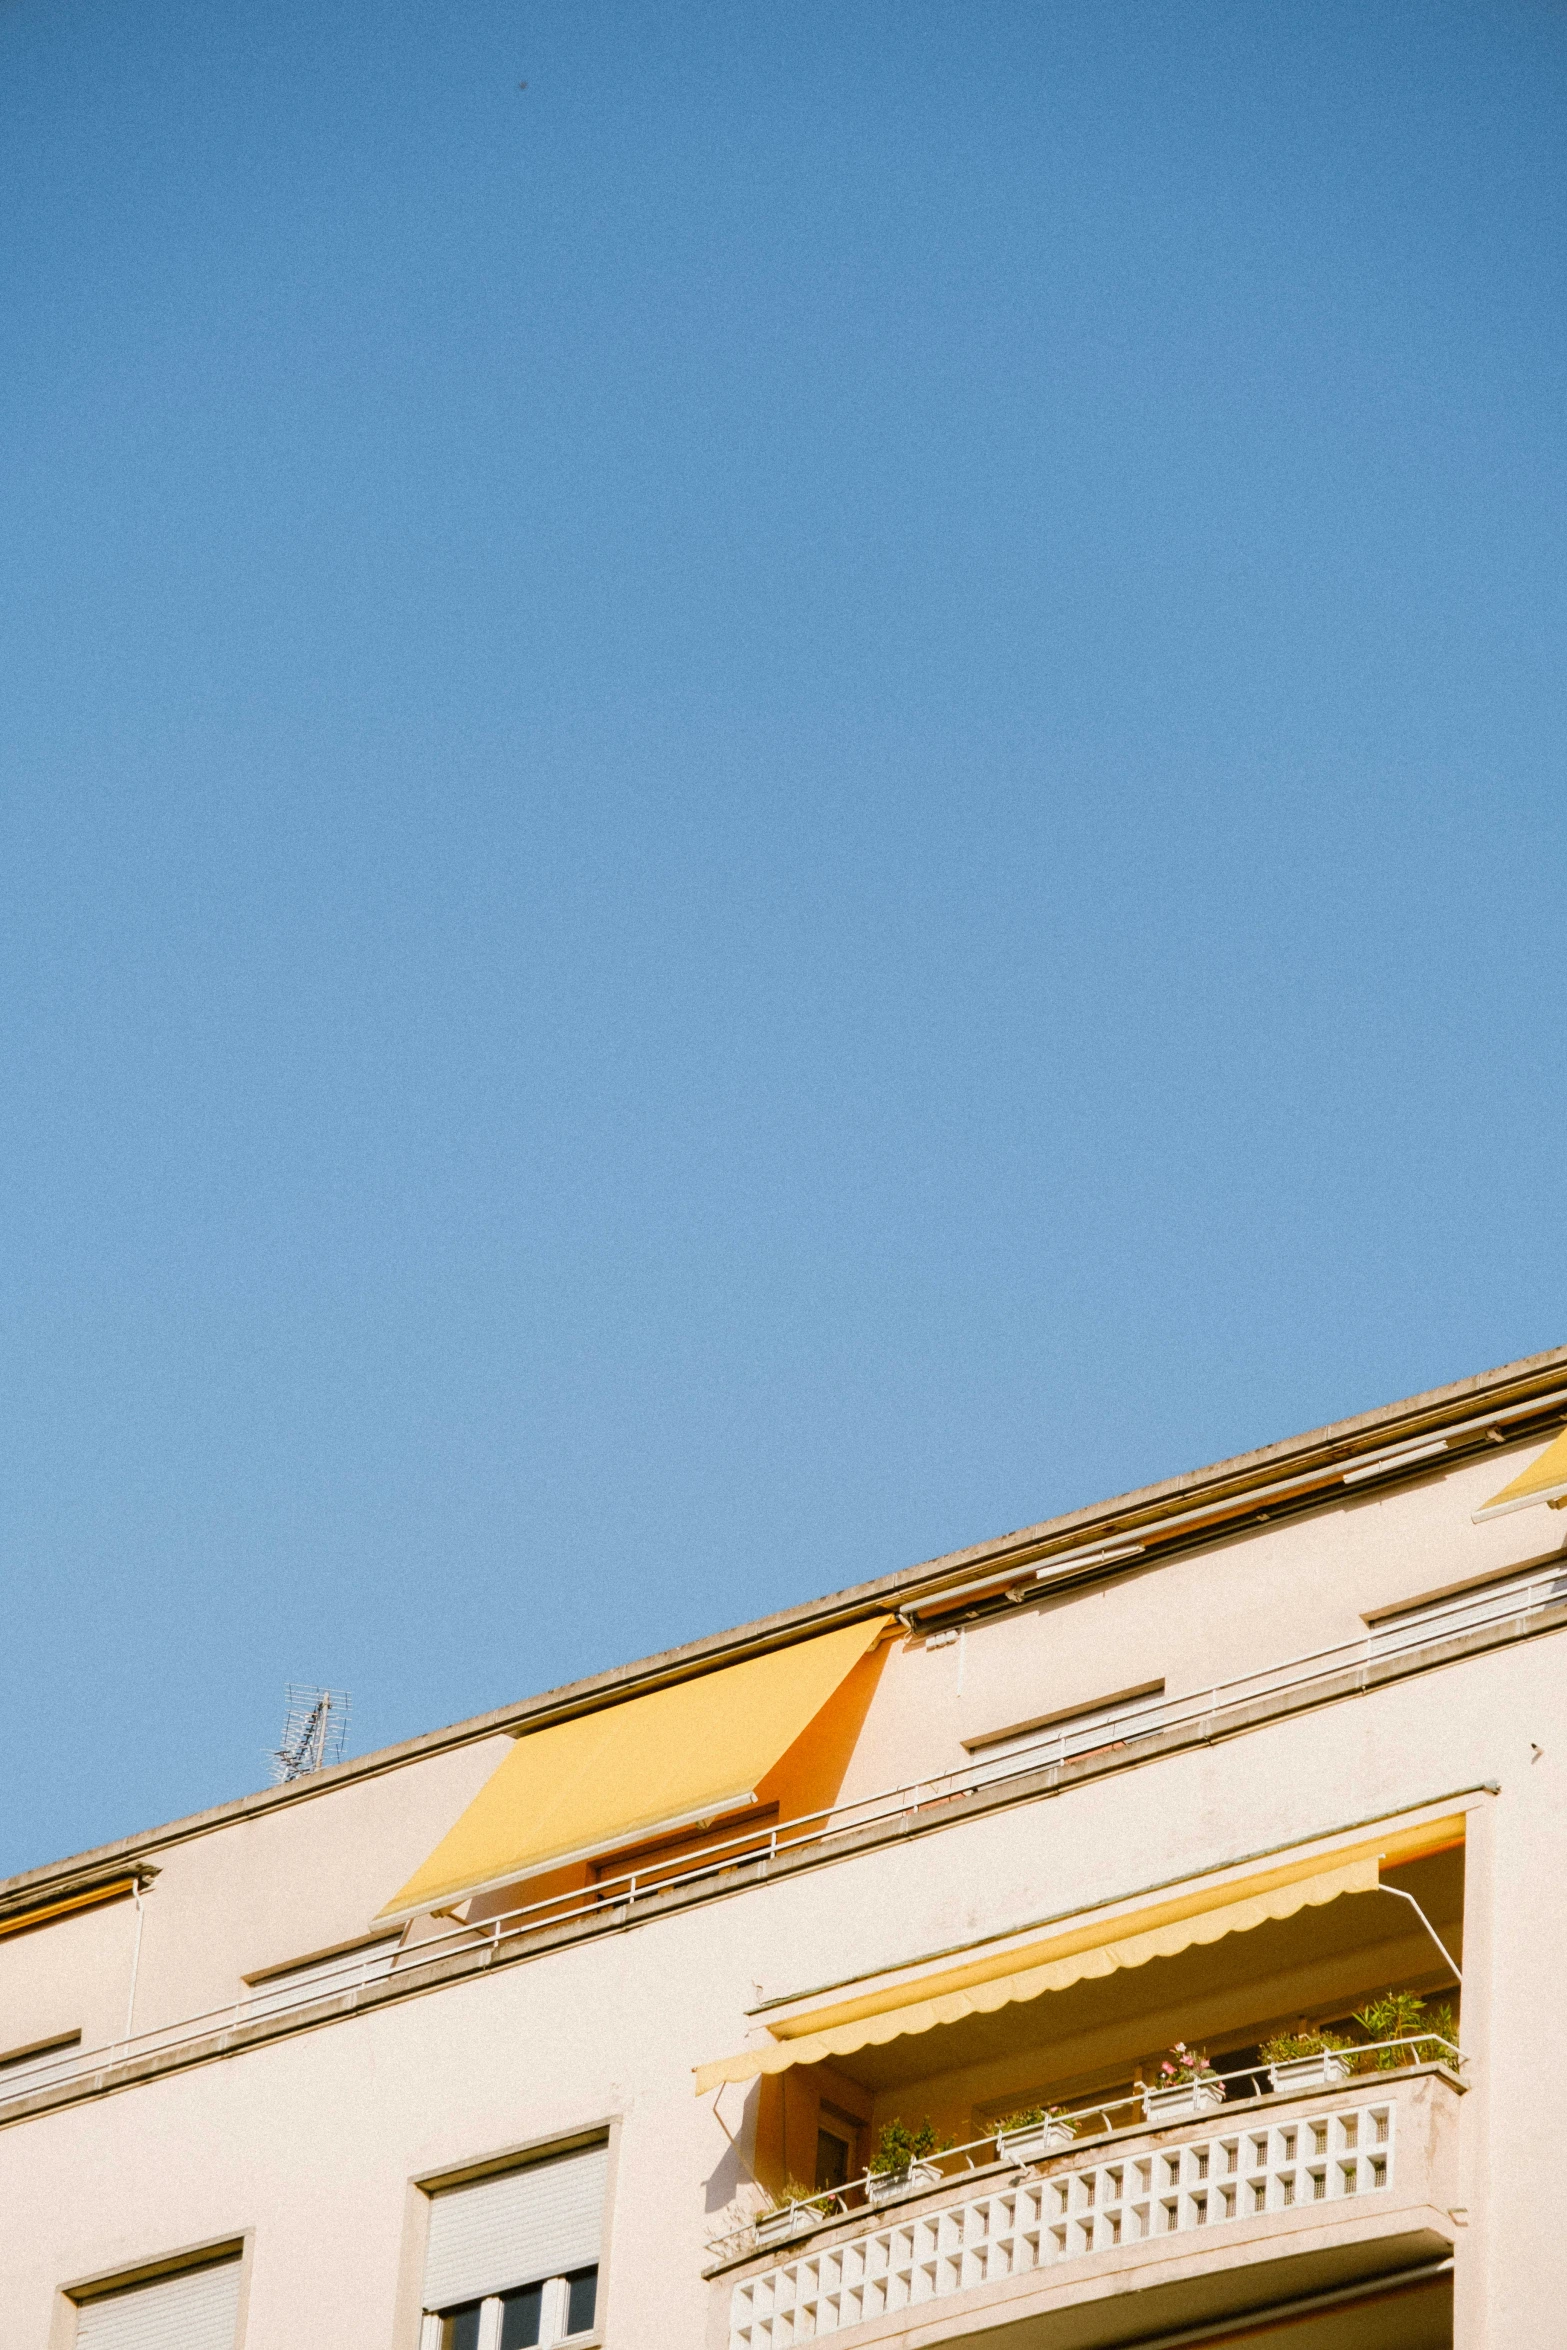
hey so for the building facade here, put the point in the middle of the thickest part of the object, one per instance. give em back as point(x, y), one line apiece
point(1145, 1928)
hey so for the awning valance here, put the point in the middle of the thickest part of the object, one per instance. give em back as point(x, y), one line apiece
point(1069, 1956)
point(1544, 1480)
point(646, 1767)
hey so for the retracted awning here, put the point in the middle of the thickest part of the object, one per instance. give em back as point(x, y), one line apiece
point(1069, 1956)
point(646, 1767)
point(1544, 1480)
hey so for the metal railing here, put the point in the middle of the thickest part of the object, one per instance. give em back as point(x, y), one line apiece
point(856, 2198)
point(612, 1899)
point(256, 2005)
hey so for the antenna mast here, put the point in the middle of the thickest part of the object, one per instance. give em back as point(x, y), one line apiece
point(315, 1725)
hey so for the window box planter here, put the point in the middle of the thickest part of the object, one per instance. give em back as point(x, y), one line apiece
point(891, 2186)
point(780, 2227)
point(1325, 2070)
point(1185, 2101)
point(1034, 2140)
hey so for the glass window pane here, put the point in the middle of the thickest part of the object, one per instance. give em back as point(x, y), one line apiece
point(521, 2316)
point(460, 2328)
point(581, 2300)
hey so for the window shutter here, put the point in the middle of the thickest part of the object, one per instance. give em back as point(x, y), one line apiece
point(21, 2075)
point(541, 2221)
point(322, 1977)
point(196, 2311)
point(1463, 1611)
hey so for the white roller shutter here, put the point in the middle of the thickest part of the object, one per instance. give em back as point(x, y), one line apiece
point(541, 2221)
point(322, 1978)
point(196, 2311)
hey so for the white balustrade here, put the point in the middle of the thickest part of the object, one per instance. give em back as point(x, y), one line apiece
point(1091, 2209)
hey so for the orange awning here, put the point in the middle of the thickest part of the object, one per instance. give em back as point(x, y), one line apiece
point(671, 1759)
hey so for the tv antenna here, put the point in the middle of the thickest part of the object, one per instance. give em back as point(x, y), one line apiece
point(315, 1724)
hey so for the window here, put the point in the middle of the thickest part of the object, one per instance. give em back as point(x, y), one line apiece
point(553, 2310)
point(280, 1988)
point(513, 2258)
point(1462, 1607)
point(196, 2310)
point(673, 1856)
point(832, 2160)
point(1085, 1729)
point(37, 2066)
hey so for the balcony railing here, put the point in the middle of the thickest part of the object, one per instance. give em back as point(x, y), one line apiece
point(611, 1898)
point(1086, 2124)
point(1091, 2203)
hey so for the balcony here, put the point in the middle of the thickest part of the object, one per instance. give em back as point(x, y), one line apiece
point(1133, 2232)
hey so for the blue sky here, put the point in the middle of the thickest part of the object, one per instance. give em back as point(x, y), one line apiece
point(760, 811)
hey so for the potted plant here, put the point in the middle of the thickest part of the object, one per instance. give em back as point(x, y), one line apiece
point(1032, 2133)
point(1399, 2016)
point(1305, 2060)
point(791, 2212)
point(902, 2162)
point(1185, 2086)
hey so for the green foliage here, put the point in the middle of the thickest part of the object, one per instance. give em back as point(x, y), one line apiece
point(1441, 2018)
point(1027, 2117)
point(792, 2191)
point(1287, 2047)
point(1393, 2016)
point(900, 2144)
point(1402, 2015)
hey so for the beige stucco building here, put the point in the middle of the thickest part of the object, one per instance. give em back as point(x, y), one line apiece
point(587, 2020)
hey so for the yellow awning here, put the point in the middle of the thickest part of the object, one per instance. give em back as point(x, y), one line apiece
point(1544, 1480)
point(1070, 1956)
point(648, 1766)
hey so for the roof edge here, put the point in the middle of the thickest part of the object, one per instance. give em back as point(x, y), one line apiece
point(1103, 1520)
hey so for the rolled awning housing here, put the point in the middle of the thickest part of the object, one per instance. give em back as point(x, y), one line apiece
point(649, 1766)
